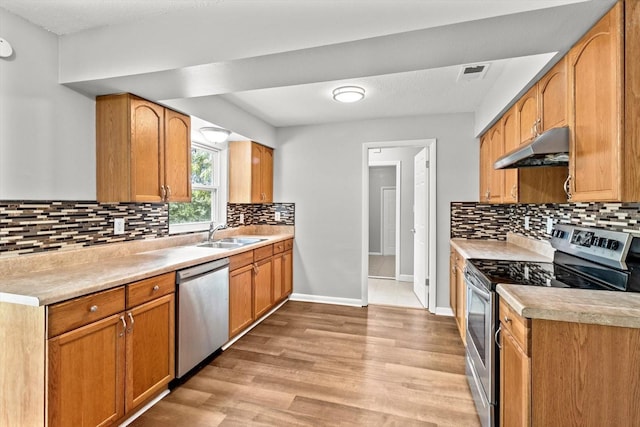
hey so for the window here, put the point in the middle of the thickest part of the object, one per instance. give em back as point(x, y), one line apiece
point(206, 199)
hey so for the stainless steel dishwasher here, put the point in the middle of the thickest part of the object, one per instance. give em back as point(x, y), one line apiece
point(203, 313)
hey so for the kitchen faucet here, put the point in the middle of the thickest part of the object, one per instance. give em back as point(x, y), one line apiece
point(213, 229)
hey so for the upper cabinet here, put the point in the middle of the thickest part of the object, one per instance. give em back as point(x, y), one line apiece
point(552, 98)
point(250, 172)
point(596, 106)
point(491, 180)
point(527, 115)
point(143, 151)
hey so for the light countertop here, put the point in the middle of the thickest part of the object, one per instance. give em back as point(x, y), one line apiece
point(608, 308)
point(492, 249)
point(37, 288)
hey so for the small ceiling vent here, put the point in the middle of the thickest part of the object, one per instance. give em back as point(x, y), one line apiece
point(472, 72)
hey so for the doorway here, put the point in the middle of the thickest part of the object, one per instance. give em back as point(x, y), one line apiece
point(401, 289)
point(384, 220)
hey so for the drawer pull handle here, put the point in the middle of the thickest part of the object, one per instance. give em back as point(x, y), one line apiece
point(93, 308)
point(156, 288)
point(507, 319)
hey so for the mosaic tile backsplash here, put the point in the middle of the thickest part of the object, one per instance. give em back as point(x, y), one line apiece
point(260, 214)
point(473, 220)
point(29, 227)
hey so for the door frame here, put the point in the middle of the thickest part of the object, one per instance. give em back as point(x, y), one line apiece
point(397, 165)
point(430, 144)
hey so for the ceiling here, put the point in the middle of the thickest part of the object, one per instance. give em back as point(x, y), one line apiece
point(279, 60)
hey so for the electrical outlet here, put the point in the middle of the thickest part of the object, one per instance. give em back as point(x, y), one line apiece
point(526, 223)
point(549, 225)
point(526, 273)
point(277, 216)
point(241, 218)
point(118, 226)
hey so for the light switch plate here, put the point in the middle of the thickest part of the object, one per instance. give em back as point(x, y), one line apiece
point(526, 223)
point(277, 216)
point(118, 226)
point(241, 218)
point(549, 225)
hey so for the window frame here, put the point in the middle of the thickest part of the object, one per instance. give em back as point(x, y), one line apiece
point(218, 187)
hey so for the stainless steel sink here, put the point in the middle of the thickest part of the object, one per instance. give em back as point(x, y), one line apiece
point(231, 242)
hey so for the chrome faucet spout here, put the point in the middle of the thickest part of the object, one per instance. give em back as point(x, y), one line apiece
point(213, 229)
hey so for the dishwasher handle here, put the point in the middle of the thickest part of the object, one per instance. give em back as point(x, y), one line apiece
point(199, 270)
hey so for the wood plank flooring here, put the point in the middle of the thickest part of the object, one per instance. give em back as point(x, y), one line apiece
point(327, 365)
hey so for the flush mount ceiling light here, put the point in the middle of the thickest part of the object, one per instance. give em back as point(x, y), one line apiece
point(348, 94)
point(214, 134)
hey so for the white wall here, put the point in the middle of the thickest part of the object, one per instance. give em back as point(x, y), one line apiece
point(406, 157)
point(319, 169)
point(47, 131)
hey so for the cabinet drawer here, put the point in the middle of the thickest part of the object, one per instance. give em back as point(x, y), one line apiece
point(517, 325)
point(263, 252)
point(72, 314)
point(278, 247)
point(288, 245)
point(150, 289)
point(240, 260)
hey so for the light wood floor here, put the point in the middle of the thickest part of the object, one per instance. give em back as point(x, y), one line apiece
point(326, 365)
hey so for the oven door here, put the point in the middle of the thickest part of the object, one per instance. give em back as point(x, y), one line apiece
point(481, 350)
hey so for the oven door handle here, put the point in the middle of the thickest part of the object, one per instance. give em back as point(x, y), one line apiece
point(496, 337)
point(477, 289)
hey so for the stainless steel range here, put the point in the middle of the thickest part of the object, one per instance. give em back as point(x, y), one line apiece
point(585, 258)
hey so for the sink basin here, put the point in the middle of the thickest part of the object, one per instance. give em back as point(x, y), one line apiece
point(220, 245)
point(231, 242)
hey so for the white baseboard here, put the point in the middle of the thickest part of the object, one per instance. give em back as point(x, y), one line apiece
point(444, 311)
point(144, 409)
point(256, 323)
point(405, 278)
point(326, 300)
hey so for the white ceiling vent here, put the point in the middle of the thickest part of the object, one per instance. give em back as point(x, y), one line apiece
point(472, 72)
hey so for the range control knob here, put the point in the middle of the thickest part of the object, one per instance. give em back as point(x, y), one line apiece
point(613, 245)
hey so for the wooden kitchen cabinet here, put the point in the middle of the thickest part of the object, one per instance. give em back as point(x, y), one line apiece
point(143, 151)
point(458, 291)
point(250, 172)
point(527, 115)
point(491, 180)
point(86, 374)
point(515, 369)
point(598, 150)
point(553, 97)
point(485, 168)
point(104, 370)
point(263, 287)
point(282, 270)
point(240, 299)
point(287, 269)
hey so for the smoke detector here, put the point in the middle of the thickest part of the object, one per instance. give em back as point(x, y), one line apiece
point(472, 72)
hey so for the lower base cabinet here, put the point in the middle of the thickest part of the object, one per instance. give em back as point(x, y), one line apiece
point(458, 291)
point(103, 371)
point(258, 280)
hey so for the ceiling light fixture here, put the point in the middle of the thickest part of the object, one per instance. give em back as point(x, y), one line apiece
point(348, 94)
point(215, 135)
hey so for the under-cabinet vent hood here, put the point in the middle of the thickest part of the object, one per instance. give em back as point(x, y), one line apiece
point(551, 148)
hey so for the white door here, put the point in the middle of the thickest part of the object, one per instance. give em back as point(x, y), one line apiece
point(420, 268)
point(388, 221)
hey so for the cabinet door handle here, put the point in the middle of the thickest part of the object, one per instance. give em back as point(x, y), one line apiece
point(567, 190)
point(256, 269)
point(168, 192)
point(514, 195)
point(163, 193)
point(132, 322)
point(488, 195)
point(93, 308)
point(507, 319)
point(496, 337)
point(124, 325)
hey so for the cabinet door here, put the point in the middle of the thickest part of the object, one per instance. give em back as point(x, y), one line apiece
point(240, 299)
point(485, 156)
point(552, 95)
point(452, 282)
point(147, 151)
point(527, 115)
point(257, 195)
point(515, 384)
point(86, 374)
point(278, 277)
point(263, 287)
point(150, 349)
point(287, 272)
point(177, 158)
point(595, 73)
point(497, 176)
point(461, 303)
point(511, 142)
point(266, 174)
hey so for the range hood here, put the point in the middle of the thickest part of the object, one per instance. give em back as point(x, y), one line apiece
point(551, 148)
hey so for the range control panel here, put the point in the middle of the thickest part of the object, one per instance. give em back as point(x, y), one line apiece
point(603, 246)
